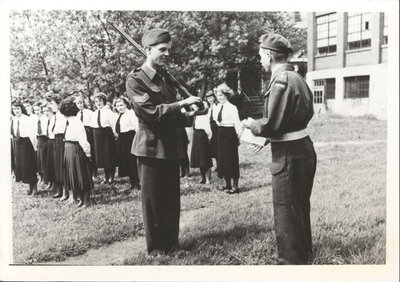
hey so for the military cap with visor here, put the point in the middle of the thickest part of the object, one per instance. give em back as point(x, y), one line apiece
point(155, 36)
point(275, 42)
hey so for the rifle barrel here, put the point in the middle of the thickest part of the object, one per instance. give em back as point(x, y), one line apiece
point(185, 93)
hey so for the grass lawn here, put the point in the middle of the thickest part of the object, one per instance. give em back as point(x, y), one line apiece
point(348, 210)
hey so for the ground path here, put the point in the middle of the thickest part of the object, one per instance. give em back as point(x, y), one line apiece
point(118, 252)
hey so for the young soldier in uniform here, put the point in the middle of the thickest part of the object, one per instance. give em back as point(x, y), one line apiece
point(157, 144)
point(287, 110)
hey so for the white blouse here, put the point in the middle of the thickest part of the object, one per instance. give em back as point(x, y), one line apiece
point(34, 119)
point(50, 134)
point(230, 117)
point(128, 121)
point(43, 124)
point(26, 128)
point(60, 123)
point(76, 132)
point(203, 122)
point(87, 116)
point(107, 118)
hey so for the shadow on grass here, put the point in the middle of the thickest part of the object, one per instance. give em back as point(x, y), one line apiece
point(247, 165)
point(105, 194)
point(213, 248)
point(230, 236)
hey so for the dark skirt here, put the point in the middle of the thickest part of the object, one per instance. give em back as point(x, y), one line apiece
point(58, 157)
point(185, 142)
point(77, 175)
point(12, 155)
point(160, 202)
point(127, 163)
point(200, 156)
point(104, 147)
point(228, 156)
point(214, 138)
point(90, 139)
point(41, 154)
point(25, 161)
point(50, 172)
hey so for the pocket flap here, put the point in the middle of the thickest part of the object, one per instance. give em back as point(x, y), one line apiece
point(277, 167)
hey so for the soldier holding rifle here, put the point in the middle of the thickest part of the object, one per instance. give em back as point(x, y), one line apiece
point(157, 145)
point(287, 110)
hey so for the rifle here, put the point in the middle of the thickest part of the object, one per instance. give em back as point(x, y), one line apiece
point(184, 92)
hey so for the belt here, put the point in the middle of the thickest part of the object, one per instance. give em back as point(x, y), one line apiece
point(290, 136)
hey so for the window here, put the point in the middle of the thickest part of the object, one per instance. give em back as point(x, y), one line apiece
point(326, 34)
point(359, 32)
point(385, 29)
point(318, 96)
point(330, 88)
point(319, 82)
point(356, 87)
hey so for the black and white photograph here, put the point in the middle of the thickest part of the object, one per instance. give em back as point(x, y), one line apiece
point(214, 141)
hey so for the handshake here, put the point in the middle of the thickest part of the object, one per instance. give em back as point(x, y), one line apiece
point(191, 100)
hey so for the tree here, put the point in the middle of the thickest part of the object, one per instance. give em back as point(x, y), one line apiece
point(70, 52)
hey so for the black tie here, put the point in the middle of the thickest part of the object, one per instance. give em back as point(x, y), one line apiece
point(211, 114)
point(47, 129)
point(118, 124)
point(98, 119)
point(18, 135)
point(54, 125)
point(39, 127)
point(219, 118)
point(66, 126)
point(82, 116)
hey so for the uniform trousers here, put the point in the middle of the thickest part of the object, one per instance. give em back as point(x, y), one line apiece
point(293, 169)
point(160, 183)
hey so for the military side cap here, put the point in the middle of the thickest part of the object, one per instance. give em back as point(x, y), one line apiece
point(276, 42)
point(155, 36)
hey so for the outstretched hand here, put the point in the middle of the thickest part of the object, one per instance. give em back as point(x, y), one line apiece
point(255, 148)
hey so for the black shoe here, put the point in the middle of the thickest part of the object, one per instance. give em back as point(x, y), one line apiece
point(223, 188)
point(57, 195)
point(203, 181)
point(233, 191)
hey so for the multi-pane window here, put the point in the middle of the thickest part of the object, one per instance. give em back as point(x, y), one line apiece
point(359, 30)
point(356, 86)
point(385, 29)
point(318, 91)
point(326, 34)
point(330, 88)
point(318, 96)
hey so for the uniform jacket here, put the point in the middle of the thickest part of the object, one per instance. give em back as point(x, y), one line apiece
point(159, 115)
point(288, 104)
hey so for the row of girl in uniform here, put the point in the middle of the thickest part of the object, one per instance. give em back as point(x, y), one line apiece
point(66, 143)
point(216, 135)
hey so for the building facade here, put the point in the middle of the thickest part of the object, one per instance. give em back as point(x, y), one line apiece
point(347, 62)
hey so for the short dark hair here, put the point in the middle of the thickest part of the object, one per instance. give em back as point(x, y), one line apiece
point(279, 57)
point(18, 103)
point(101, 96)
point(68, 107)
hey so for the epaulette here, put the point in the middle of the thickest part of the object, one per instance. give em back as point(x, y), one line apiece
point(281, 80)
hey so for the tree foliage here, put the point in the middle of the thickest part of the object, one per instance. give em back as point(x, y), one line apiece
point(69, 52)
